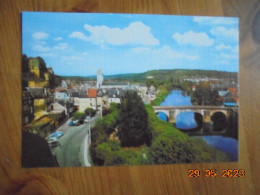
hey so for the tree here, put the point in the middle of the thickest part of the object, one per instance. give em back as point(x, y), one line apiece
point(42, 67)
point(90, 112)
point(204, 96)
point(133, 121)
point(170, 147)
point(214, 98)
point(201, 94)
point(79, 116)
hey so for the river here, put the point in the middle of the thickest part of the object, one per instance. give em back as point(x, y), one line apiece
point(186, 121)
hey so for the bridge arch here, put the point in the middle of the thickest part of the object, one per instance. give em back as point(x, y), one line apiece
point(221, 111)
point(164, 112)
point(219, 121)
point(189, 120)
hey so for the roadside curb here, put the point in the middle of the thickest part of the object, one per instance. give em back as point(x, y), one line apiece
point(85, 156)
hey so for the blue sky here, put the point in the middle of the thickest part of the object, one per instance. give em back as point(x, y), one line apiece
point(80, 43)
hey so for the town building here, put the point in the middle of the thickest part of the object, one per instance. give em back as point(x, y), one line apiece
point(28, 108)
point(87, 99)
point(58, 108)
point(41, 99)
point(229, 97)
point(115, 95)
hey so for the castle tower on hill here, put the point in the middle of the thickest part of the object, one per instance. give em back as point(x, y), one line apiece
point(100, 78)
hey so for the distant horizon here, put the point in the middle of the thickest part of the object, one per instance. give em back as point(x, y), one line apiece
point(81, 43)
point(142, 72)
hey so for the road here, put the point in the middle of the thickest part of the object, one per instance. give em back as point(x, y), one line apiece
point(73, 149)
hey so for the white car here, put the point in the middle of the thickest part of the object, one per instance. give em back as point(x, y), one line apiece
point(53, 142)
point(87, 119)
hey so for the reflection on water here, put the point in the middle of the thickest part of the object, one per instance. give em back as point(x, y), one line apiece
point(184, 120)
point(225, 144)
point(176, 98)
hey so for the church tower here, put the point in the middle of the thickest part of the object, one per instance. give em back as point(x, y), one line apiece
point(100, 78)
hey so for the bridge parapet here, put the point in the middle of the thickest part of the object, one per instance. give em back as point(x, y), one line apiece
point(194, 107)
point(206, 111)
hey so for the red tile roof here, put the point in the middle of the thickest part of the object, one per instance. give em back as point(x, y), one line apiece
point(233, 90)
point(92, 93)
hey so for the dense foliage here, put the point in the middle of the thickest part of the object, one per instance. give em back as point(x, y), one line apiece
point(163, 93)
point(169, 145)
point(100, 133)
point(203, 95)
point(90, 112)
point(133, 121)
point(79, 116)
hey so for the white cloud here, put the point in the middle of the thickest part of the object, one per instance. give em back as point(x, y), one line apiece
point(79, 35)
point(225, 32)
point(223, 47)
point(137, 33)
point(169, 52)
point(228, 56)
point(142, 50)
point(223, 61)
point(40, 35)
point(193, 38)
point(215, 20)
point(61, 46)
point(41, 48)
point(58, 39)
point(164, 52)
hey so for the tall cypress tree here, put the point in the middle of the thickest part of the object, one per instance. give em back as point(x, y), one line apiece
point(133, 127)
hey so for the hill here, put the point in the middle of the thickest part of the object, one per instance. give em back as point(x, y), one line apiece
point(160, 75)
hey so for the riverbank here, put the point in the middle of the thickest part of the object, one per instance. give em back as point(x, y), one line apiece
point(168, 145)
point(163, 93)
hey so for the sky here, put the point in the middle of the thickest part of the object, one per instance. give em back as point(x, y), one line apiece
point(78, 44)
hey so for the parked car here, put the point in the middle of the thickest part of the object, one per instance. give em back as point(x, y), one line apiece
point(87, 119)
point(53, 142)
point(56, 135)
point(74, 123)
point(71, 123)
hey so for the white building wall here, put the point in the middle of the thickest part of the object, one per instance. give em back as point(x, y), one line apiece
point(87, 103)
point(114, 100)
point(62, 96)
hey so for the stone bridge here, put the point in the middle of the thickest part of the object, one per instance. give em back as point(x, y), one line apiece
point(206, 111)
